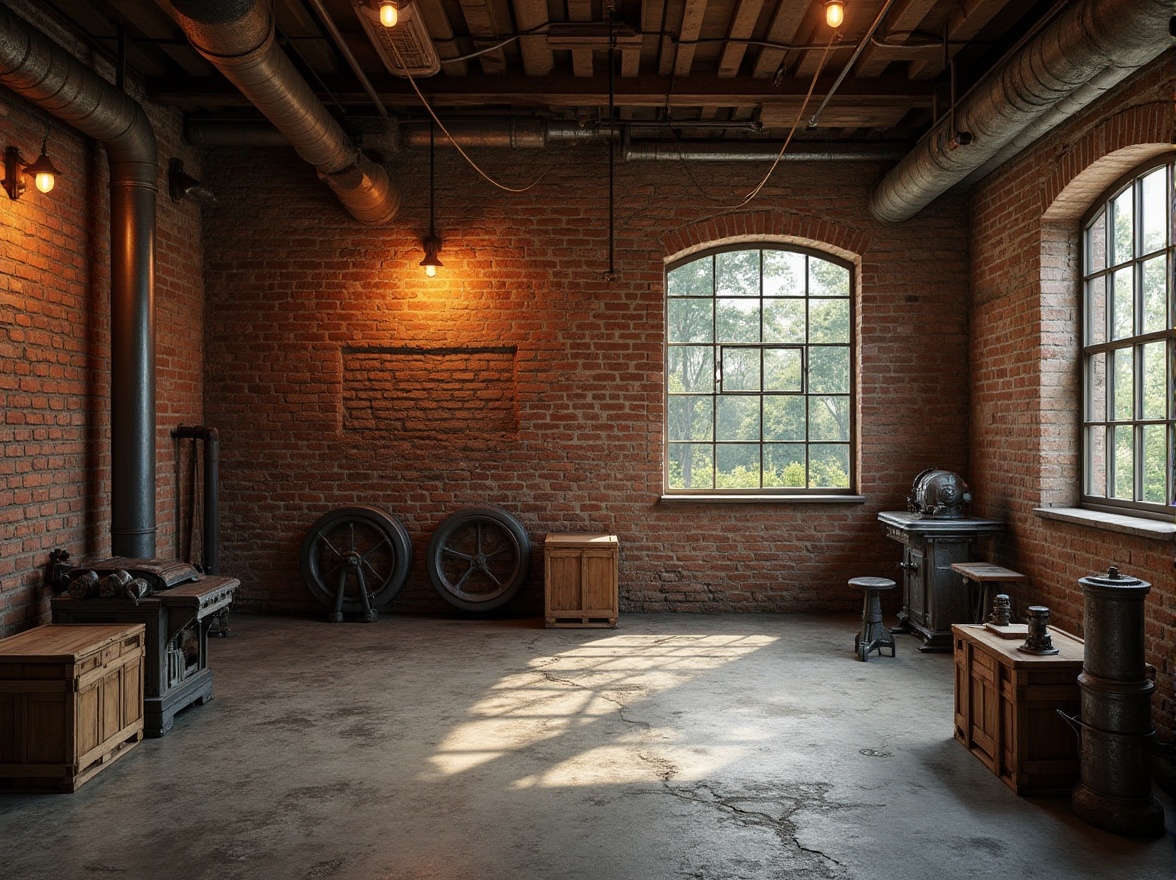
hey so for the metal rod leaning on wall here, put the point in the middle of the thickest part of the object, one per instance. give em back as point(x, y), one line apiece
point(211, 439)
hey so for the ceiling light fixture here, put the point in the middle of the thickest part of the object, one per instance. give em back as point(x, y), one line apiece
point(389, 13)
point(432, 243)
point(834, 13)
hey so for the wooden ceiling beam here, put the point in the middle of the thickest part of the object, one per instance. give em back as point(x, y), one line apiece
point(783, 28)
point(904, 17)
point(971, 18)
point(743, 22)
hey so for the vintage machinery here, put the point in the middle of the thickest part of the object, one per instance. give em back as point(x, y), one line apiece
point(177, 605)
point(939, 495)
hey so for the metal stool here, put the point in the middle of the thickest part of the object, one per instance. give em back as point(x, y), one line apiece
point(874, 636)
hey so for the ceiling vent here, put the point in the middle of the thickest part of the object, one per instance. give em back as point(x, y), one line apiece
point(406, 49)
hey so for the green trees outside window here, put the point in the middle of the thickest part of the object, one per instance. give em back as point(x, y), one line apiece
point(759, 373)
point(1129, 342)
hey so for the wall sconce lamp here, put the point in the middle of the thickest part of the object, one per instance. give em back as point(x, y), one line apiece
point(389, 13)
point(834, 13)
point(432, 242)
point(43, 171)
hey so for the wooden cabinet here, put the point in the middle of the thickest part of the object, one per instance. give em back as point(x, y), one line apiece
point(71, 701)
point(580, 576)
point(1007, 703)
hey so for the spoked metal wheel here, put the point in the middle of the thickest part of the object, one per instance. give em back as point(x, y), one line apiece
point(355, 560)
point(478, 558)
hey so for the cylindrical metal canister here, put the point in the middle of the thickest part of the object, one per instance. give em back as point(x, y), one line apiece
point(1116, 736)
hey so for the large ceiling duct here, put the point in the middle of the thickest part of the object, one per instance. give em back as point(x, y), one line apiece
point(1087, 49)
point(39, 70)
point(237, 36)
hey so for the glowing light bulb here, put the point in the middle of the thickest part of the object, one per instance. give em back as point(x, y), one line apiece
point(834, 13)
point(431, 271)
point(44, 182)
point(389, 14)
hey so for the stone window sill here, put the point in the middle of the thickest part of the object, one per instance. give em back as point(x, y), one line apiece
point(1140, 527)
point(765, 499)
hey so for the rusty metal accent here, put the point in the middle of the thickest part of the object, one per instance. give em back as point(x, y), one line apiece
point(939, 495)
point(1002, 610)
point(1038, 641)
point(1115, 733)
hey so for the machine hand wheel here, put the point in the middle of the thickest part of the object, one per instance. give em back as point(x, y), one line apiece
point(478, 558)
point(355, 560)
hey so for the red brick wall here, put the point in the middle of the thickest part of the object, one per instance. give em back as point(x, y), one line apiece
point(55, 352)
point(1025, 336)
point(295, 287)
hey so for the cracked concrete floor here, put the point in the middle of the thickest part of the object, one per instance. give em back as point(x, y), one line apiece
point(675, 746)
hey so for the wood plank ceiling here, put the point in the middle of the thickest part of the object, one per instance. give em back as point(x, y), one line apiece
point(706, 69)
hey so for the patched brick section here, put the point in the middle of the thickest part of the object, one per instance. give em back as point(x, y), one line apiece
point(1025, 327)
point(441, 395)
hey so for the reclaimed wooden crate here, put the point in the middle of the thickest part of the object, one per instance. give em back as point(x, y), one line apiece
point(580, 576)
point(71, 702)
point(1007, 704)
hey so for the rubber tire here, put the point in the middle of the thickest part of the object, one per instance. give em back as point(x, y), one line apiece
point(377, 522)
point(491, 527)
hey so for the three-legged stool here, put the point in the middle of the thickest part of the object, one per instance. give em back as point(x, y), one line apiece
point(874, 636)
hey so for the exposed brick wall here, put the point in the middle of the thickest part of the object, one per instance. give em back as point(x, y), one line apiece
point(294, 284)
point(1025, 338)
point(55, 350)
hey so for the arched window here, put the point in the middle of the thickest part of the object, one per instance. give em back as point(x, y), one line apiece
point(759, 373)
point(1128, 346)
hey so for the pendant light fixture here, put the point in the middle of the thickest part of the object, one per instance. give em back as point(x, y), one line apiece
point(43, 172)
point(834, 13)
point(431, 244)
point(389, 13)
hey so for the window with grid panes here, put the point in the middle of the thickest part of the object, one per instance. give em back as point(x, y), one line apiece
point(1129, 343)
point(759, 373)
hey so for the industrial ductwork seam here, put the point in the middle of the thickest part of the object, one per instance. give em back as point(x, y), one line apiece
point(35, 67)
point(237, 36)
point(1091, 43)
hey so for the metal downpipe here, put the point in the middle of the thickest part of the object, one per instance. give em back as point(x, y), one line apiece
point(1097, 42)
point(39, 70)
point(237, 36)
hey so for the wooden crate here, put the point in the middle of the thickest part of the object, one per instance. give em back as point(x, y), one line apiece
point(1006, 708)
point(71, 702)
point(580, 575)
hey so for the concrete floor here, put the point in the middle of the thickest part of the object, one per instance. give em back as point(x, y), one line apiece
point(675, 746)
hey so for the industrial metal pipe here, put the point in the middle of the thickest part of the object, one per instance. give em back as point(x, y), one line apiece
point(1092, 41)
point(39, 70)
point(237, 36)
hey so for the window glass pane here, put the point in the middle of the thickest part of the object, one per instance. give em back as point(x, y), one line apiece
point(691, 368)
point(1123, 227)
point(827, 279)
point(784, 418)
point(1123, 303)
point(1123, 385)
point(738, 466)
point(1096, 461)
point(692, 466)
point(784, 465)
point(1154, 381)
point(692, 279)
point(738, 418)
point(1096, 388)
point(1154, 197)
point(828, 320)
point(690, 320)
point(829, 369)
point(741, 369)
point(784, 320)
point(783, 370)
point(690, 417)
point(829, 466)
point(1096, 310)
point(829, 418)
point(783, 273)
point(737, 273)
point(737, 320)
point(1155, 463)
point(1155, 294)
point(1123, 484)
point(1096, 243)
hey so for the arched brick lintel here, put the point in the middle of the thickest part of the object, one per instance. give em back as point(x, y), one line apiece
point(759, 226)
